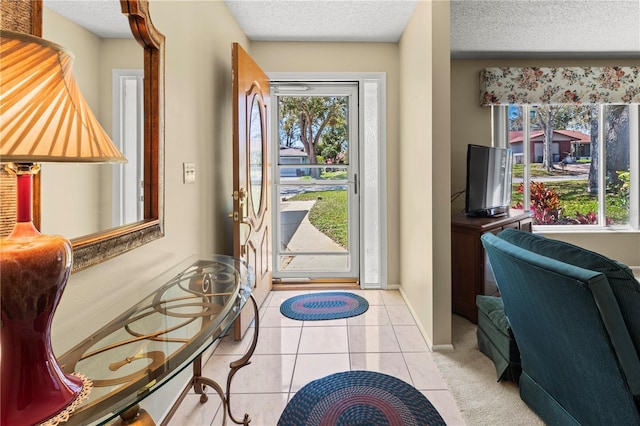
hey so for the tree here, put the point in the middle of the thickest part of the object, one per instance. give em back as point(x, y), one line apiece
point(515, 118)
point(592, 185)
point(616, 140)
point(333, 144)
point(308, 119)
point(546, 117)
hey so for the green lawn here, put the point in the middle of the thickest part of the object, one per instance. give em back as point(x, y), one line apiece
point(329, 213)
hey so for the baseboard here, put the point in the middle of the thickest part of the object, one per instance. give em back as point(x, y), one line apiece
point(433, 348)
point(443, 348)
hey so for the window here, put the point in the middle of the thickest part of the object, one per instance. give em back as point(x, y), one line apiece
point(575, 165)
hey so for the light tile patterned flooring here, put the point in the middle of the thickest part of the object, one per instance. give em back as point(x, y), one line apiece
point(291, 353)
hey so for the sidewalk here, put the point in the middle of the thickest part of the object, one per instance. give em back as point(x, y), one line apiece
point(298, 234)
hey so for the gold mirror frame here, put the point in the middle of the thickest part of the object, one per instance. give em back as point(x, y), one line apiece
point(95, 248)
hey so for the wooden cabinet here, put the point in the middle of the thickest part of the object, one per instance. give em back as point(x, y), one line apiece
point(470, 272)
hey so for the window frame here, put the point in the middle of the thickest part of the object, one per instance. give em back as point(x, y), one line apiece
point(500, 138)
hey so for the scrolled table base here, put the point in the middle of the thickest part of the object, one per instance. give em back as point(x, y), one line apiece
point(200, 383)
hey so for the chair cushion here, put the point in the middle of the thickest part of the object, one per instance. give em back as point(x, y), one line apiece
point(493, 308)
point(495, 338)
point(625, 287)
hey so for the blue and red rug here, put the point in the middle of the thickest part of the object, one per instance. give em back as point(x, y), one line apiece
point(324, 306)
point(359, 398)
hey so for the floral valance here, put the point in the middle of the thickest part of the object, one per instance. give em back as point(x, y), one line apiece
point(560, 85)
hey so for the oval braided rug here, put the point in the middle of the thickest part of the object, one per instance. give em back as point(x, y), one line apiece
point(324, 306)
point(359, 398)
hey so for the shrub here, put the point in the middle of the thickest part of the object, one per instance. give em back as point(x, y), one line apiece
point(545, 205)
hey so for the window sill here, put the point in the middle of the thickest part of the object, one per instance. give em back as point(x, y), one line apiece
point(583, 229)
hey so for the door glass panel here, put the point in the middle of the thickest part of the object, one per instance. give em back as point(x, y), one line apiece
point(304, 174)
point(316, 183)
point(313, 130)
point(255, 155)
point(314, 228)
point(315, 263)
point(324, 208)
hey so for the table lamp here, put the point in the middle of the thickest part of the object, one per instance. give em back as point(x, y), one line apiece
point(43, 118)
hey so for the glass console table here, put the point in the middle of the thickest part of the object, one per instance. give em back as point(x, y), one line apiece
point(194, 304)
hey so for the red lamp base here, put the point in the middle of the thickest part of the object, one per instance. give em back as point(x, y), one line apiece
point(33, 273)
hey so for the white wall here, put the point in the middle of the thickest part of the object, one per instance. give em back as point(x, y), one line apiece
point(425, 236)
point(471, 123)
point(198, 128)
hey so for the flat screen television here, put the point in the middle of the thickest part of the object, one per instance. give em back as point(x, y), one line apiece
point(488, 189)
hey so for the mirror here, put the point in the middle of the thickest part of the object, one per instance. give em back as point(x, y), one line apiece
point(110, 239)
point(109, 69)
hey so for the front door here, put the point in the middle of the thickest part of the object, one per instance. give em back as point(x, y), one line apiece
point(316, 181)
point(251, 192)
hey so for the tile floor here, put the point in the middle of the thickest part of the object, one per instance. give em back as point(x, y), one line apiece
point(291, 353)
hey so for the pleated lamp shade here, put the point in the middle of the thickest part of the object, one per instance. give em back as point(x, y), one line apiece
point(43, 118)
point(43, 115)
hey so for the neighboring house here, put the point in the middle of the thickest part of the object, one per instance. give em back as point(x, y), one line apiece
point(293, 156)
point(566, 143)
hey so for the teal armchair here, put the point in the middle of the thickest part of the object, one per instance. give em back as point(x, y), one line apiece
point(579, 363)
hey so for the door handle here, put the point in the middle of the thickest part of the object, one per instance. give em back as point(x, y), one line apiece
point(239, 216)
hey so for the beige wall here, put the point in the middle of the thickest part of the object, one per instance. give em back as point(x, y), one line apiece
point(471, 123)
point(88, 185)
point(417, 91)
point(350, 57)
point(197, 129)
point(425, 238)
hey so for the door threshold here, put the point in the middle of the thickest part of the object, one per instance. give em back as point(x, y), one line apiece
point(315, 284)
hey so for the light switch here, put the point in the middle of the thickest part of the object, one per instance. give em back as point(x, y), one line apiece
point(189, 172)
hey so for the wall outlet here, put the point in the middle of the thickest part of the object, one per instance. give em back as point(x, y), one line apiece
point(189, 172)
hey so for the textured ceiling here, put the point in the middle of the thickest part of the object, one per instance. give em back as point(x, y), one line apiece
point(102, 17)
point(335, 20)
point(551, 27)
point(479, 28)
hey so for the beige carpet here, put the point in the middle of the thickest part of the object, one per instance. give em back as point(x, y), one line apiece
point(471, 378)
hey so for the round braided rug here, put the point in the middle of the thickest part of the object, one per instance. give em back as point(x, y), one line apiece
point(359, 398)
point(324, 306)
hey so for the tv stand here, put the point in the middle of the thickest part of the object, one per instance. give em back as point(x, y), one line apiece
point(470, 271)
point(494, 212)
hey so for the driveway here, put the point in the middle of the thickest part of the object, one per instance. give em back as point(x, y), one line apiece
point(573, 171)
